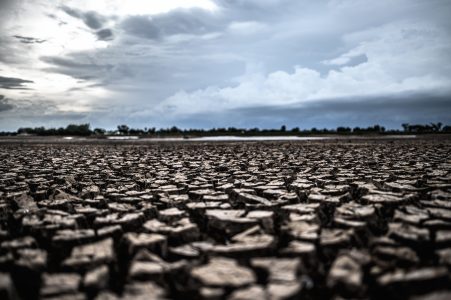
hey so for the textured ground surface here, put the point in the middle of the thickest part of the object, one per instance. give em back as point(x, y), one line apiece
point(226, 221)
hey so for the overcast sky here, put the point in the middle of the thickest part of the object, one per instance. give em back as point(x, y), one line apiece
point(215, 63)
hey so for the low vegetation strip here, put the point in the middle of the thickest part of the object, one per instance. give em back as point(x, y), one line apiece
point(125, 130)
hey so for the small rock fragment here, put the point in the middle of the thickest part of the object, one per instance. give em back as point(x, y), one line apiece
point(223, 272)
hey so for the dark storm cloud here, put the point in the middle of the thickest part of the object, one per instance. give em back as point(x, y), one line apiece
point(57, 116)
point(196, 20)
point(28, 40)
point(105, 34)
point(5, 104)
point(92, 19)
point(80, 67)
point(388, 110)
point(75, 89)
point(141, 26)
point(8, 52)
point(6, 6)
point(182, 21)
point(11, 83)
point(25, 112)
point(71, 12)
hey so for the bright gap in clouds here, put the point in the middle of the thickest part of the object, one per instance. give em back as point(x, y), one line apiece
point(139, 7)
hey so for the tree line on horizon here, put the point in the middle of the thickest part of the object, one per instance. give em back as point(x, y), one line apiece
point(85, 130)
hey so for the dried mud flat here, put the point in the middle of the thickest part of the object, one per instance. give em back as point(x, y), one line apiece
point(277, 220)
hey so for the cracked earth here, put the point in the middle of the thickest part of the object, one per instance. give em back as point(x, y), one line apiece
point(279, 220)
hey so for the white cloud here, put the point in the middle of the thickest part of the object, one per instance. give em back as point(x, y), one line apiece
point(402, 57)
point(345, 58)
point(245, 28)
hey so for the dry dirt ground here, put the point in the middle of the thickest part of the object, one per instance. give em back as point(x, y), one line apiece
point(279, 220)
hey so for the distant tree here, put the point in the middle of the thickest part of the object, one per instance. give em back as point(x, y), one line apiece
point(61, 131)
point(343, 129)
point(74, 129)
point(174, 129)
point(123, 129)
point(99, 131)
point(25, 130)
point(283, 128)
point(419, 128)
point(40, 130)
point(436, 126)
point(7, 133)
point(406, 127)
point(295, 130)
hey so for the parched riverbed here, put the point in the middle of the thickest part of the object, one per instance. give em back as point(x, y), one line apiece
point(237, 220)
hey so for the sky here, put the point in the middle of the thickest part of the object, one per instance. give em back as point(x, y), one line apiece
point(222, 63)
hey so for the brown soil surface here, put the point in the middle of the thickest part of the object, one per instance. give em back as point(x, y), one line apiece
point(249, 220)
